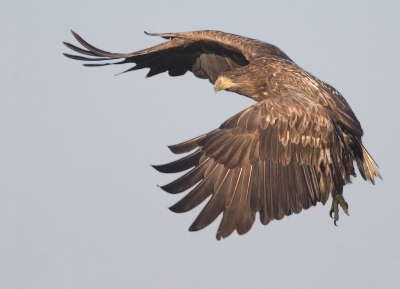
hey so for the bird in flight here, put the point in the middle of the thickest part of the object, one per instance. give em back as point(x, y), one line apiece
point(293, 148)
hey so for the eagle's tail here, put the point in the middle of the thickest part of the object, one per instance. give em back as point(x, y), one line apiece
point(367, 166)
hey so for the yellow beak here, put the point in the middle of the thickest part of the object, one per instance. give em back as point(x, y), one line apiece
point(222, 83)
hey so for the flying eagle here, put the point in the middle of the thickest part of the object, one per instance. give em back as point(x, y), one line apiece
point(290, 150)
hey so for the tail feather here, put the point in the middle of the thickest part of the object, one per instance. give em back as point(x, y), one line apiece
point(367, 166)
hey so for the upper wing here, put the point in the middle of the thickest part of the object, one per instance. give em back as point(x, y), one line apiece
point(205, 53)
point(277, 157)
point(330, 98)
point(295, 80)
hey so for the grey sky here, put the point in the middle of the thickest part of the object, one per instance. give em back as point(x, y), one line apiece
point(79, 205)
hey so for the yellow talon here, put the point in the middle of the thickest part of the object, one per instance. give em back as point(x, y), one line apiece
point(338, 200)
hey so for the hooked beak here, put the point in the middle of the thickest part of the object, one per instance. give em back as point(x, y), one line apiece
point(222, 83)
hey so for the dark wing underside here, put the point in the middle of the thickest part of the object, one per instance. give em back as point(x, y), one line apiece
point(205, 53)
point(277, 157)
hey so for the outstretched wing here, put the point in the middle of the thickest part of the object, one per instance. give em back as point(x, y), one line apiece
point(205, 53)
point(277, 157)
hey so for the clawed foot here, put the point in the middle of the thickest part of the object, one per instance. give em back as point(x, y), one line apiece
point(338, 200)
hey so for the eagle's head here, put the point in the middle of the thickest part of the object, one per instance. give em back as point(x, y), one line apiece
point(242, 81)
point(229, 80)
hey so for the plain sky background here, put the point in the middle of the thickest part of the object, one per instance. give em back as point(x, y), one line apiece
point(79, 202)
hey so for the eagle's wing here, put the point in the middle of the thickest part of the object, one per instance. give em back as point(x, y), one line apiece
point(330, 98)
point(277, 157)
point(205, 53)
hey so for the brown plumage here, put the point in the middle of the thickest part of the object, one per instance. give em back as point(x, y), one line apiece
point(294, 148)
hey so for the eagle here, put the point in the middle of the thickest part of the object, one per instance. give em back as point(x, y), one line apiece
point(295, 147)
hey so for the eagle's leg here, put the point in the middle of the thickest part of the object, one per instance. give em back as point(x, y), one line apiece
point(338, 200)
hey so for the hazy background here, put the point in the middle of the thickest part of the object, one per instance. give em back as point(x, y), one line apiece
point(79, 205)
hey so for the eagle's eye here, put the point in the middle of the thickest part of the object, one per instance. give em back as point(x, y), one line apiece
point(232, 77)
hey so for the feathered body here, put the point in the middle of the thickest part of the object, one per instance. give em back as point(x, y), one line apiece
point(294, 148)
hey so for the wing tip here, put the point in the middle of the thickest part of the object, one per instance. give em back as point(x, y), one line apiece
point(175, 209)
point(194, 228)
point(74, 33)
point(163, 35)
point(167, 188)
point(186, 146)
point(151, 34)
point(158, 168)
